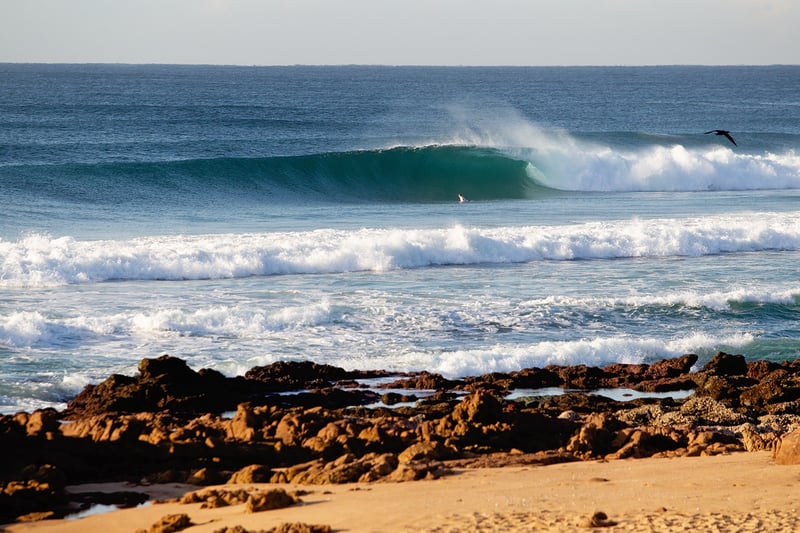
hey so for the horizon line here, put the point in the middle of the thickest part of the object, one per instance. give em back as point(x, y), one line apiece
point(398, 65)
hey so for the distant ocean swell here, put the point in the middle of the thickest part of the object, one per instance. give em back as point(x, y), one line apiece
point(40, 260)
point(433, 173)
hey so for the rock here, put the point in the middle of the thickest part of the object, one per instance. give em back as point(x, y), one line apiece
point(707, 411)
point(580, 376)
point(297, 375)
point(421, 381)
point(595, 437)
point(251, 474)
point(719, 387)
point(787, 450)
point(599, 519)
point(300, 527)
point(479, 408)
point(346, 469)
point(425, 451)
point(286, 527)
point(43, 422)
point(725, 364)
point(35, 492)
point(169, 524)
point(164, 383)
point(273, 499)
point(774, 388)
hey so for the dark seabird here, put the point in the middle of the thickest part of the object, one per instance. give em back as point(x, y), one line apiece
point(724, 133)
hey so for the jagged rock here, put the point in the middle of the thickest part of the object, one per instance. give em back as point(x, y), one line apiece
point(35, 492)
point(787, 449)
point(169, 524)
point(479, 408)
point(725, 364)
point(163, 383)
point(580, 376)
point(273, 499)
point(425, 451)
point(706, 411)
point(760, 369)
point(346, 469)
point(721, 387)
point(42, 422)
point(416, 470)
point(535, 378)
point(775, 388)
point(639, 442)
point(421, 381)
point(148, 427)
point(205, 476)
point(297, 375)
point(251, 474)
point(595, 437)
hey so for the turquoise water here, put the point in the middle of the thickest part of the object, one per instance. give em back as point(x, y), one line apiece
point(238, 216)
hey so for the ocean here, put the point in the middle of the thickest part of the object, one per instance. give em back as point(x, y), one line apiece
point(237, 216)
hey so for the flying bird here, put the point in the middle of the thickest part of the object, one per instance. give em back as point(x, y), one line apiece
point(724, 133)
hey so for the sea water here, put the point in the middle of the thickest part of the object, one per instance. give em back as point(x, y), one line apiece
point(237, 216)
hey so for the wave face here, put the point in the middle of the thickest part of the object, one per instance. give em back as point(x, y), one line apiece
point(435, 173)
point(402, 174)
point(40, 260)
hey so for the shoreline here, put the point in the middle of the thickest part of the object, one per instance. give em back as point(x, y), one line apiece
point(171, 426)
point(741, 491)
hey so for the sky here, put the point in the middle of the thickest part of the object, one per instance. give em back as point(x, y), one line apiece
point(402, 32)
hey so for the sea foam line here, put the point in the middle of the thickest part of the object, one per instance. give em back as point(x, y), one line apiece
point(40, 260)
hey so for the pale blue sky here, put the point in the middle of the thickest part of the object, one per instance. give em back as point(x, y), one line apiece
point(402, 32)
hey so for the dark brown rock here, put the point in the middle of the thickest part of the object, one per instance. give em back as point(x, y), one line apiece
point(164, 383)
point(725, 364)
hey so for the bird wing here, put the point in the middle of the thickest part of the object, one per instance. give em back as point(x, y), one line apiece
point(712, 131)
point(728, 136)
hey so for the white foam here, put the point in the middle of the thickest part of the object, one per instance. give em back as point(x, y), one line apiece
point(716, 300)
point(561, 161)
point(593, 352)
point(24, 328)
point(39, 261)
point(234, 322)
point(585, 167)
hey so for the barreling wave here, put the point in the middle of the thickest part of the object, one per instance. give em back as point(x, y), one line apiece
point(41, 260)
point(523, 166)
point(402, 174)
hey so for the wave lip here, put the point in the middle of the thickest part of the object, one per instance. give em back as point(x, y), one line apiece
point(40, 260)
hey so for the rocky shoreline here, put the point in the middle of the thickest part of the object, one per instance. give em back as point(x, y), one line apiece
point(305, 423)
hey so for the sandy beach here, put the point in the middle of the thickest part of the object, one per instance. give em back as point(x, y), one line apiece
point(736, 492)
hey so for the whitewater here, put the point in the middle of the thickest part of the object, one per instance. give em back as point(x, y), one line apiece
point(234, 217)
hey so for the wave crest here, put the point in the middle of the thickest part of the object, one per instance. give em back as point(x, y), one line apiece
point(40, 260)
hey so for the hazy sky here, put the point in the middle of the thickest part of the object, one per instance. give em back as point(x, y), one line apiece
point(402, 32)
